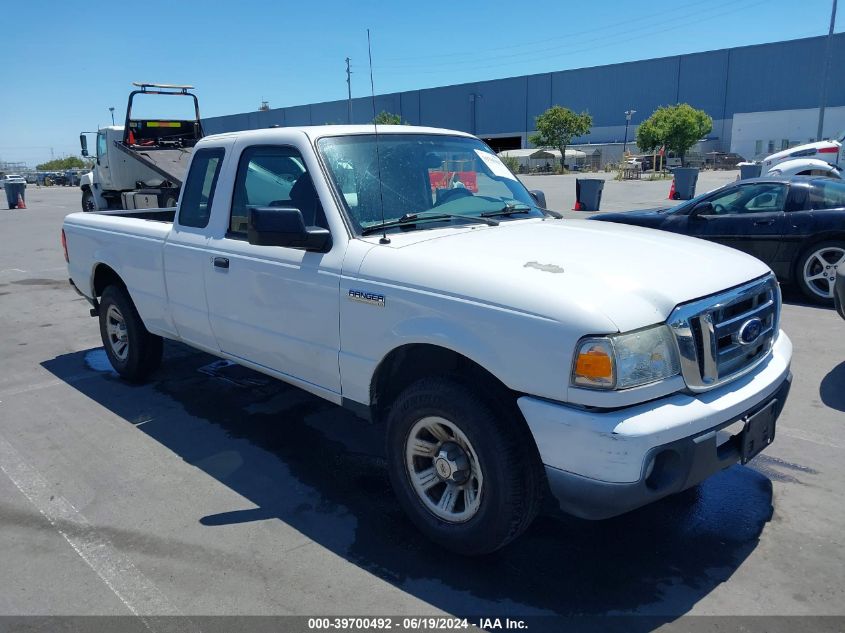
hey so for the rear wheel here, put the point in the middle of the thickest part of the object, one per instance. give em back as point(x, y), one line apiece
point(816, 270)
point(132, 350)
point(467, 476)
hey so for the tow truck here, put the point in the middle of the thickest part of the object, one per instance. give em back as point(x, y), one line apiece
point(142, 163)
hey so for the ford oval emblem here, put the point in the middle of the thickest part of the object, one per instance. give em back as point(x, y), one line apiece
point(750, 331)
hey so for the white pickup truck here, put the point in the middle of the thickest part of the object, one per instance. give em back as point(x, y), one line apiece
point(408, 275)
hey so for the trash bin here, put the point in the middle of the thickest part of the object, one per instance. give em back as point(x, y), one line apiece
point(685, 180)
point(588, 193)
point(749, 170)
point(13, 190)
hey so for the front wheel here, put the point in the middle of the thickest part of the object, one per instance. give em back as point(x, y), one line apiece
point(88, 201)
point(132, 350)
point(816, 270)
point(468, 477)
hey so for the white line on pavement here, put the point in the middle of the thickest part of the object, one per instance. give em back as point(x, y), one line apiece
point(115, 569)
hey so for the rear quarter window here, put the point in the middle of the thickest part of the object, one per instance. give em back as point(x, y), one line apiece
point(197, 198)
point(827, 194)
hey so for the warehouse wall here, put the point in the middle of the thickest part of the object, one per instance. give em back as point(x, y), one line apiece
point(767, 77)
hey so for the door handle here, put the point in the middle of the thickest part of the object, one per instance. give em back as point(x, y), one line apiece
point(763, 222)
point(220, 262)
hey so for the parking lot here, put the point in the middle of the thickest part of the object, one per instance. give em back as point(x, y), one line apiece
point(213, 490)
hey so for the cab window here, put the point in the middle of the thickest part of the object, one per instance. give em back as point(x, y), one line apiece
point(198, 195)
point(757, 198)
point(273, 176)
point(101, 144)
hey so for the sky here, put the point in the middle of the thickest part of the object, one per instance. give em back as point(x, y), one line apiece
point(67, 63)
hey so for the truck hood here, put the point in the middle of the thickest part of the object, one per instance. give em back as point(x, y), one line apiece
point(606, 276)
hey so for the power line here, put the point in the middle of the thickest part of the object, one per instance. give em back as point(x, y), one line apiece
point(558, 38)
point(566, 47)
point(475, 66)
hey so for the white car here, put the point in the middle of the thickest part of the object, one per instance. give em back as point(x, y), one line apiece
point(12, 178)
point(509, 352)
point(805, 167)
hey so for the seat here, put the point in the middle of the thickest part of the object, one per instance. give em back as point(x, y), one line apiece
point(303, 196)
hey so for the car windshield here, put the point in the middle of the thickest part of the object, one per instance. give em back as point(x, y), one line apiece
point(446, 176)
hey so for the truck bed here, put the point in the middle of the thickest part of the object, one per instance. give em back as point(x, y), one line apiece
point(154, 215)
point(170, 164)
point(131, 242)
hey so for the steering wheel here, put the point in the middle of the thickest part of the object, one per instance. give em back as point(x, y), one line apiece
point(718, 209)
point(453, 194)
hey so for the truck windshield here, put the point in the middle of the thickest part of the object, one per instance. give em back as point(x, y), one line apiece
point(448, 175)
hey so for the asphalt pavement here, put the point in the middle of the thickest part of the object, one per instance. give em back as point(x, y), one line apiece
point(212, 490)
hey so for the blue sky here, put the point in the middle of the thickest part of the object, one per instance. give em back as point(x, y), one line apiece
point(74, 60)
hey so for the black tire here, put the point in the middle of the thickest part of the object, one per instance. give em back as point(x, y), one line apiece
point(88, 201)
point(808, 255)
point(143, 350)
point(512, 473)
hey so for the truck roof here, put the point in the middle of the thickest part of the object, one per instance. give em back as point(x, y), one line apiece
point(317, 131)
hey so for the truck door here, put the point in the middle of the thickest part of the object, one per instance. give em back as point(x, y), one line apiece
point(185, 257)
point(274, 306)
point(749, 218)
point(103, 168)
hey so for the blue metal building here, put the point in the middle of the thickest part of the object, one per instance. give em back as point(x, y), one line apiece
point(775, 77)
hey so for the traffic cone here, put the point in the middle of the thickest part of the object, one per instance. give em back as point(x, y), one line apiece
point(21, 203)
point(579, 206)
point(672, 191)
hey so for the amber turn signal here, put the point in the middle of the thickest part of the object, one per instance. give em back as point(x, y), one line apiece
point(594, 363)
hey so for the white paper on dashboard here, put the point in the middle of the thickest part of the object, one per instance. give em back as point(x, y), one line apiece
point(495, 164)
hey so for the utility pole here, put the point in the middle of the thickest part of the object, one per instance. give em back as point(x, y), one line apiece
point(473, 100)
point(826, 72)
point(112, 114)
point(628, 115)
point(349, 92)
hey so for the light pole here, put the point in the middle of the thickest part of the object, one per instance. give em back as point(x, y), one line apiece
point(628, 115)
point(112, 114)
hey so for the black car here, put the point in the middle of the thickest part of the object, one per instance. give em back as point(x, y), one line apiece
point(795, 225)
point(839, 291)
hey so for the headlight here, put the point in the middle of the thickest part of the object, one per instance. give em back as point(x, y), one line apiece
point(626, 360)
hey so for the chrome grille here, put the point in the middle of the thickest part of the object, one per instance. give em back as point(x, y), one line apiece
point(726, 335)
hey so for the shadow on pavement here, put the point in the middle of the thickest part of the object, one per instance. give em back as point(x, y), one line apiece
point(320, 469)
point(832, 388)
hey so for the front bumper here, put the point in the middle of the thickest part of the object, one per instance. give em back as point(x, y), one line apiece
point(598, 462)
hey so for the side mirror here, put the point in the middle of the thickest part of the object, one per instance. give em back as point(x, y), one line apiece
point(83, 142)
point(539, 198)
point(283, 226)
point(702, 208)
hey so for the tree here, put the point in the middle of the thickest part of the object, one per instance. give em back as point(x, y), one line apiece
point(556, 128)
point(387, 118)
point(677, 128)
point(60, 164)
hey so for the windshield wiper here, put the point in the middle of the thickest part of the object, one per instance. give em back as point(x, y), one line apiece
point(413, 218)
point(508, 209)
point(514, 209)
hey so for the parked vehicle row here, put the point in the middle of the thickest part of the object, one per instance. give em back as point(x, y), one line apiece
point(796, 226)
point(505, 363)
